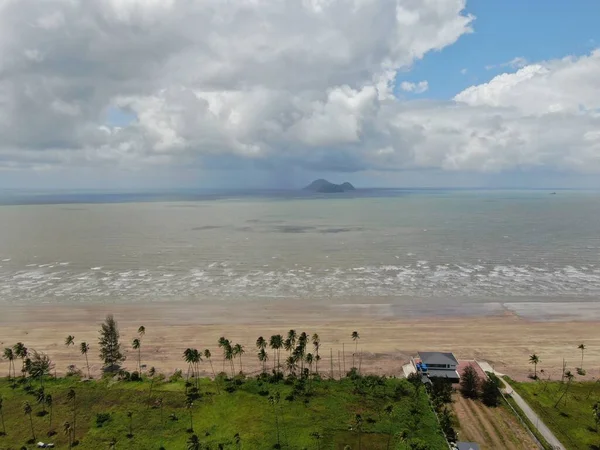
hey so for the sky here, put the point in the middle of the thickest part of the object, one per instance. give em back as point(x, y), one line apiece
point(274, 93)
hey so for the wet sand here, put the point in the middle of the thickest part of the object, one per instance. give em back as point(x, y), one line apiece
point(386, 342)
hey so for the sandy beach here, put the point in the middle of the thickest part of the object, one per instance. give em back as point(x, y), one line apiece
point(506, 341)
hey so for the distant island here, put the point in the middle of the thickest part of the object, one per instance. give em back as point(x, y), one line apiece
point(324, 186)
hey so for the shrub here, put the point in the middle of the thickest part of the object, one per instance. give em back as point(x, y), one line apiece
point(101, 419)
point(177, 375)
point(490, 393)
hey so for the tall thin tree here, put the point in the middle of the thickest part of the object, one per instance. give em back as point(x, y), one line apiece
point(136, 344)
point(110, 348)
point(68, 430)
point(9, 355)
point(21, 352)
point(28, 410)
point(49, 403)
point(582, 348)
point(535, 360)
point(238, 351)
point(2, 416)
point(72, 397)
point(355, 338)
point(84, 348)
point(316, 340)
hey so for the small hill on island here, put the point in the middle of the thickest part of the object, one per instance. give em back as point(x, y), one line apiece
point(324, 186)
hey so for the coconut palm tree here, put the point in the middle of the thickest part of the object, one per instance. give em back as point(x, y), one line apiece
point(84, 348)
point(358, 422)
point(292, 336)
point(238, 351)
point(41, 400)
point(130, 417)
point(27, 410)
point(141, 331)
point(2, 417)
point(535, 360)
point(68, 430)
point(596, 414)
point(207, 355)
point(72, 397)
point(261, 344)
point(569, 376)
point(582, 348)
point(276, 342)
point(151, 374)
point(20, 352)
point(316, 340)
point(136, 344)
point(274, 401)
point(193, 443)
point(263, 356)
point(238, 440)
point(69, 340)
point(189, 405)
point(291, 365)
point(49, 403)
point(227, 353)
point(9, 355)
point(355, 338)
point(39, 366)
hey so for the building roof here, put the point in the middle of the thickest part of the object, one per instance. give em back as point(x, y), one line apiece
point(467, 446)
point(437, 358)
point(443, 373)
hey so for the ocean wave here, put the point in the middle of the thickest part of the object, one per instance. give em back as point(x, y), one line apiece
point(423, 279)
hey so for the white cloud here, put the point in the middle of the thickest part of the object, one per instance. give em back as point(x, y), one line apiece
point(463, 71)
point(273, 85)
point(516, 63)
point(416, 88)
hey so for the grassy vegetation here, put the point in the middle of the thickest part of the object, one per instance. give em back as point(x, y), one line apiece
point(527, 422)
point(311, 414)
point(571, 419)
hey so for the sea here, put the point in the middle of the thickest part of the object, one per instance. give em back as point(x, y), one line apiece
point(407, 251)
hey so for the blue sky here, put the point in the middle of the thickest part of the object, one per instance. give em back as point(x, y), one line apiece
point(536, 30)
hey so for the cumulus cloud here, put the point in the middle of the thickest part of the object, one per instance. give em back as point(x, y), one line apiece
point(307, 84)
point(515, 63)
point(416, 88)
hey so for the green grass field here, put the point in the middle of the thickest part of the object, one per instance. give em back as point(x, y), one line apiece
point(573, 423)
point(330, 410)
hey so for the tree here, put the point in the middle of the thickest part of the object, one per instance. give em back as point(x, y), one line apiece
point(40, 366)
point(69, 340)
point(20, 352)
point(130, 417)
point(193, 443)
point(41, 400)
point(316, 340)
point(238, 440)
point(358, 423)
point(263, 357)
point(569, 376)
point(227, 354)
point(9, 355)
point(238, 351)
point(27, 410)
point(276, 342)
point(469, 383)
point(84, 348)
point(49, 403)
point(490, 394)
point(596, 414)
point(355, 338)
point(2, 417)
point(292, 338)
point(189, 405)
point(141, 331)
point(582, 348)
point(151, 374)
point(68, 430)
point(535, 360)
point(72, 397)
point(208, 355)
point(274, 401)
point(261, 344)
point(291, 365)
point(110, 348)
point(137, 345)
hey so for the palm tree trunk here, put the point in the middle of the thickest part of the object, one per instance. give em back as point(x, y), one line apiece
point(191, 420)
point(87, 364)
point(51, 408)
point(212, 368)
point(31, 423)
point(241, 367)
point(140, 360)
point(274, 359)
point(581, 359)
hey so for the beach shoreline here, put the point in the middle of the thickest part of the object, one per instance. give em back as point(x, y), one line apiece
point(506, 341)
